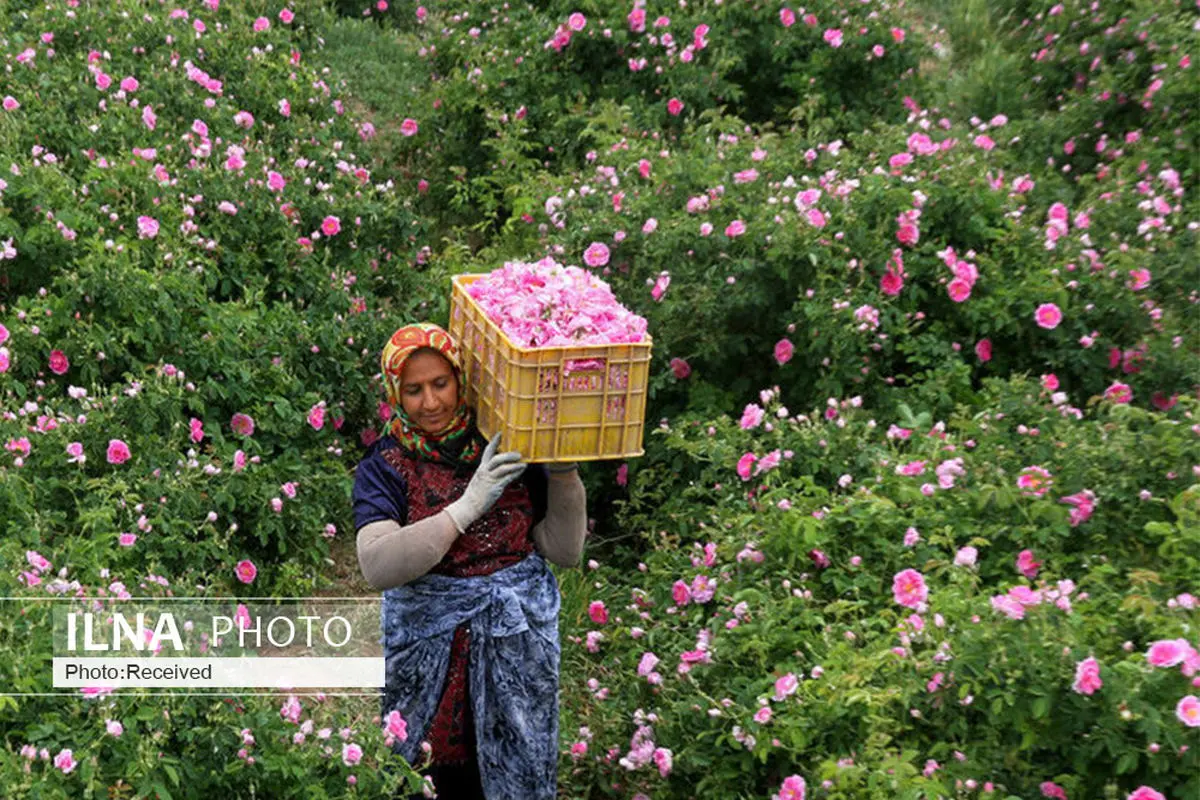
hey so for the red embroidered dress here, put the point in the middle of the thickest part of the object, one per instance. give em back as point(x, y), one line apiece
point(499, 539)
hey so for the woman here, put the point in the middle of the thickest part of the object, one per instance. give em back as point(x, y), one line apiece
point(457, 536)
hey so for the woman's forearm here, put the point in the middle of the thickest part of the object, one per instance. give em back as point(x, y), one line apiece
point(559, 537)
point(391, 554)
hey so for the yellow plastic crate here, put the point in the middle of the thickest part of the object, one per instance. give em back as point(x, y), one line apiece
point(578, 403)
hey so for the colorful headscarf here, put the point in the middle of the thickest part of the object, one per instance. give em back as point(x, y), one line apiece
point(460, 444)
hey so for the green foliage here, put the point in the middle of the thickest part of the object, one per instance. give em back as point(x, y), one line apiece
point(882, 691)
point(528, 143)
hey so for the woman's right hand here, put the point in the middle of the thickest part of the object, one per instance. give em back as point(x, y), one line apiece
point(494, 473)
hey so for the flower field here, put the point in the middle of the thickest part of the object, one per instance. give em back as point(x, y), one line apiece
point(919, 515)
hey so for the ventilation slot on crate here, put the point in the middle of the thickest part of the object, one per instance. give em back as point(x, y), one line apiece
point(547, 411)
point(618, 377)
point(548, 379)
point(584, 375)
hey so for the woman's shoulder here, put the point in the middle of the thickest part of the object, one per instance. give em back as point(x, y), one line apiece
point(381, 445)
point(380, 454)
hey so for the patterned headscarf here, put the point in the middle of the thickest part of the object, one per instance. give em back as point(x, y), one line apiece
point(460, 444)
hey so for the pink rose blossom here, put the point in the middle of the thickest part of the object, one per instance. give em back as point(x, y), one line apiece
point(959, 290)
point(663, 760)
point(245, 571)
point(1188, 711)
point(1027, 565)
point(892, 283)
point(1087, 676)
point(316, 416)
point(596, 255)
point(147, 227)
point(1009, 606)
point(744, 464)
point(409, 127)
point(752, 416)
point(1145, 793)
point(75, 451)
point(681, 593)
point(1138, 279)
point(242, 424)
point(59, 363)
point(1084, 503)
point(647, 664)
point(1053, 790)
point(1167, 652)
point(833, 37)
point(909, 589)
point(793, 788)
point(396, 726)
point(1048, 316)
point(65, 761)
point(598, 612)
point(660, 287)
point(1034, 481)
point(783, 351)
point(674, 106)
point(785, 686)
point(1118, 392)
point(118, 452)
point(907, 232)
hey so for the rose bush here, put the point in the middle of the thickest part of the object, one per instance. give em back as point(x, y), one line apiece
point(841, 594)
point(967, 568)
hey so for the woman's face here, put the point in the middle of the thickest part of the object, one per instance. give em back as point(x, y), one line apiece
point(428, 390)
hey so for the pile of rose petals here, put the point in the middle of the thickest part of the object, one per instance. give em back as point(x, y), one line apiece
point(546, 304)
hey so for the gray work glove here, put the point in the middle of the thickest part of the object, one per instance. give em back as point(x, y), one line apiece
point(492, 476)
